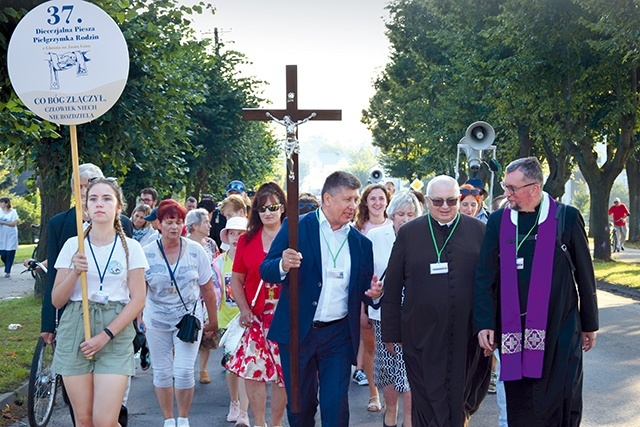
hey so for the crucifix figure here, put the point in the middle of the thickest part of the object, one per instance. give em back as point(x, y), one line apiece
point(292, 146)
point(292, 117)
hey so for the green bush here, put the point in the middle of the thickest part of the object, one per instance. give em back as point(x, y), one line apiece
point(28, 213)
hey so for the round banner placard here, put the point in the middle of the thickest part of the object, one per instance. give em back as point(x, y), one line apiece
point(68, 61)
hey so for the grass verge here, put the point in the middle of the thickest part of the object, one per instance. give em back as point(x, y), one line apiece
point(17, 347)
point(24, 252)
point(618, 273)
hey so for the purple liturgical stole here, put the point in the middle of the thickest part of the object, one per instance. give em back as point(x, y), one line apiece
point(515, 362)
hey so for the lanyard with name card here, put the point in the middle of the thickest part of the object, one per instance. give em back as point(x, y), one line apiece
point(520, 260)
point(100, 296)
point(333, 273)
point(441, 267)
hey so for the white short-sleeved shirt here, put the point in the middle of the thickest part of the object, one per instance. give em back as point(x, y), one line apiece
point(8, 235)
point(115, 278)
point(164, 309)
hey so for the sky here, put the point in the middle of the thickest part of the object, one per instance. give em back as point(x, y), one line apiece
point(339, 47)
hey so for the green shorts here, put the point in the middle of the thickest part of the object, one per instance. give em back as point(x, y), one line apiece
point(116, 357)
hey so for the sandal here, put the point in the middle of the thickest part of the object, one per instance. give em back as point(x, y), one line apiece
point(374, 404)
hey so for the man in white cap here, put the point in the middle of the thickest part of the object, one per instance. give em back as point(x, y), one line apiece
point(619, 212)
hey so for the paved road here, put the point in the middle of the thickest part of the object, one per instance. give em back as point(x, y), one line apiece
point(16, 286)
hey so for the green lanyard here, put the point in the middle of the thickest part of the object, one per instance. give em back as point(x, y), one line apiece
point(518, 244)
point(433, 237)
point(333, 257)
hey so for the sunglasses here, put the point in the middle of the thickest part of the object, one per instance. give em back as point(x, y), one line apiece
point(439, 202)
point(272, 208)
point(466, 192)
point(103, 179)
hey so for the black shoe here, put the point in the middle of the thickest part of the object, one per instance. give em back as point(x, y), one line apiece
point(622, 248)
point(145, 361)
point(123, 417)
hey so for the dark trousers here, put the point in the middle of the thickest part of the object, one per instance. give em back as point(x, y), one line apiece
point(325, 363)
point(7, 258)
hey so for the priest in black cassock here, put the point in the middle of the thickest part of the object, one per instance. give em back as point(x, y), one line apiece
point(433, 264)
point(536, 300)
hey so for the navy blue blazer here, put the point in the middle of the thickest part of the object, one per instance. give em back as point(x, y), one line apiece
point(310, 279)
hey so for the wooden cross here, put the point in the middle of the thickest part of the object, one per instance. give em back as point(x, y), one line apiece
point(291, 118)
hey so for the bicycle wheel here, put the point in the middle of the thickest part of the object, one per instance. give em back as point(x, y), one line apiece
point(43, 383)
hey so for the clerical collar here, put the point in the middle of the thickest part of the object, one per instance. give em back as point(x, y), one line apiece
point(448, 224)
point(544, 210)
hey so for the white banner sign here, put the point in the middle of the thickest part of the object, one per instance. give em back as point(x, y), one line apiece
point(68, 61)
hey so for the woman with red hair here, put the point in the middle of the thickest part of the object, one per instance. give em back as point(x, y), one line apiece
point(470, 200)
point(179, 273)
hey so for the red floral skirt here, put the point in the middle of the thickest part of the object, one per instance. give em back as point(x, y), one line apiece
point(258, 358)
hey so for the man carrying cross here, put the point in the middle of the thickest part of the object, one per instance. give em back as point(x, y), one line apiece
point(336, 269)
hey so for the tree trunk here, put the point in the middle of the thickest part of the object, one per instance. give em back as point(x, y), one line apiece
point(633, 179)
point(600, 222)
point(559, 170)
point(524, 137)
point(54, 171)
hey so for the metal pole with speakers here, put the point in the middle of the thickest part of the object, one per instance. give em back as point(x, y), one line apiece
point(478, 138)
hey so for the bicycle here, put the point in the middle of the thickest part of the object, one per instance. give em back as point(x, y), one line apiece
point(43, 381)
point(615, 239)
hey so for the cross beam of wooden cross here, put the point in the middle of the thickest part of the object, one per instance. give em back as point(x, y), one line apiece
point(295, 117)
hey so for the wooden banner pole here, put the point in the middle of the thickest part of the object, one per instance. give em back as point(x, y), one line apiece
point(78, 199)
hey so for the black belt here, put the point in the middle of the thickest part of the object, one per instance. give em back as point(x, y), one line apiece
point(317, 324)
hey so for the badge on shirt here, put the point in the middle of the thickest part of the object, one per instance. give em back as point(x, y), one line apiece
point(519, 263)
point(335, 273)
point(114, 267)
point(439, 268)
point(100, 297)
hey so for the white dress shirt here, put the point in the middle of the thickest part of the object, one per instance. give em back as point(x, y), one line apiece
point(334, 294)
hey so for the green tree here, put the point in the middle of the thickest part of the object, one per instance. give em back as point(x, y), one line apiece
point(146, 138)
point(226, 147)
point(555, 77)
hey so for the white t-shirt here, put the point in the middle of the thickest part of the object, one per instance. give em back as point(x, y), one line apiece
point(115, 278)
point(8, 235)
point(164, 309)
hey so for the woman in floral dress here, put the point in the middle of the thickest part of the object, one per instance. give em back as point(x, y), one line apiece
point(257, 359)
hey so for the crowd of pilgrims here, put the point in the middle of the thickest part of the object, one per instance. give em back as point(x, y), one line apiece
point(203, 257)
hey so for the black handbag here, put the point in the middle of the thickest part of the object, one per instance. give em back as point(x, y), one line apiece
point(189, 325)
point(188, 328)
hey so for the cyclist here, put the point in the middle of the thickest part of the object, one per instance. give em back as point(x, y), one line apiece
point(620, 213)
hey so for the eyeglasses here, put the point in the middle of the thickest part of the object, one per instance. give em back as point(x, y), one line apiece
point(513, 189)
point(466, 192)
point(103, 179)
point(439, 202)
point(272, 208)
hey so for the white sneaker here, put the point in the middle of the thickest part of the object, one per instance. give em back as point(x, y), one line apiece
point(234, 408)
point(243, 419)
point(183, 422)
point(169, 422)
